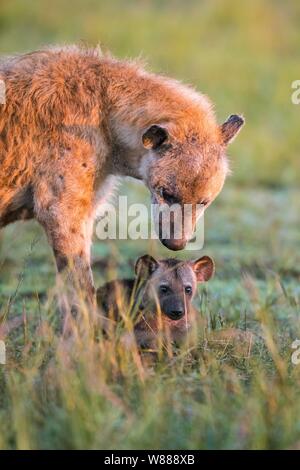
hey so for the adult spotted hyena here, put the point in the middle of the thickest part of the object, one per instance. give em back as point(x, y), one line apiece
point(73, 118)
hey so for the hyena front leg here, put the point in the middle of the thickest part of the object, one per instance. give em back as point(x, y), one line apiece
point(68, 223)
point(74, 274)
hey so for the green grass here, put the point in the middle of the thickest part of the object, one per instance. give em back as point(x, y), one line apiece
point(97, 395)
point(86, 394)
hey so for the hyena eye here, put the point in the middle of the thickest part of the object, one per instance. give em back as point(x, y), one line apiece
point(163, 289)
point(203, 203)
point(188, 290)
point(168, 197)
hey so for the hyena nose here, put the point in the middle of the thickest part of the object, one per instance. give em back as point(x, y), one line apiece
point(177, 314)
point(174, 245)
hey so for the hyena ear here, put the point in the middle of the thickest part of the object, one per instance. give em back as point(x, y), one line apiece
point(154, 137)
point(204, 268)
point(231, 128)
point(145, 266)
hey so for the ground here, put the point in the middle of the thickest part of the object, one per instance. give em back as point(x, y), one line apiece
point(203, 395)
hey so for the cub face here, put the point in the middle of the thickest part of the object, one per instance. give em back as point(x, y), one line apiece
point(171, 284)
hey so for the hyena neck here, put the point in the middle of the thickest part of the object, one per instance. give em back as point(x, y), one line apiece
point(136, 100)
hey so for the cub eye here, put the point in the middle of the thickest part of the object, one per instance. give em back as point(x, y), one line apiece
point(168, 197)
point(164, 289)
point(188, 290)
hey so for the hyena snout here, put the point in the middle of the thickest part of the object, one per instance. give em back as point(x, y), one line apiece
point(174, 244)
point(176, 314)
point(178, 235)
point(174, 307)
point(176, 228)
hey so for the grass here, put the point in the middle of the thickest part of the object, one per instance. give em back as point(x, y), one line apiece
point(87, 394)
point(98, 395)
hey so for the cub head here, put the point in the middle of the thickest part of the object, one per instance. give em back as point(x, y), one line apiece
point(171, 284)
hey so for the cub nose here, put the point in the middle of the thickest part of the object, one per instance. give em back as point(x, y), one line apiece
point(176, 314)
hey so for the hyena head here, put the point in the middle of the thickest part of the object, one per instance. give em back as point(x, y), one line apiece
point(171, 284)
point(186, 169)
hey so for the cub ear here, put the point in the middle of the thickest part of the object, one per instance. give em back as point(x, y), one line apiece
point(154, 137)
point(145, 266)
point(231, 128)
point(204, 268)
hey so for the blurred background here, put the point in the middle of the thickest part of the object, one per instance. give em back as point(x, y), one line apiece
point(245, 56)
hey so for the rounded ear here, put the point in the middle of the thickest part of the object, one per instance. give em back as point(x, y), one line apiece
point(145, 266)
point(154, 137)
point(204, 268)
point(231, 128)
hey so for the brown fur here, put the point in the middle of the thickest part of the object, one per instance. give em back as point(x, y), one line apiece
point(155, 313)
point(73, 117)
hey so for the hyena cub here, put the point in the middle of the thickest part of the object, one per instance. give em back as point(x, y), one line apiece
point(159, 297)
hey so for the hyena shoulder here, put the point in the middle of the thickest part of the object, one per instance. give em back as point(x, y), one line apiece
point(52, 87)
